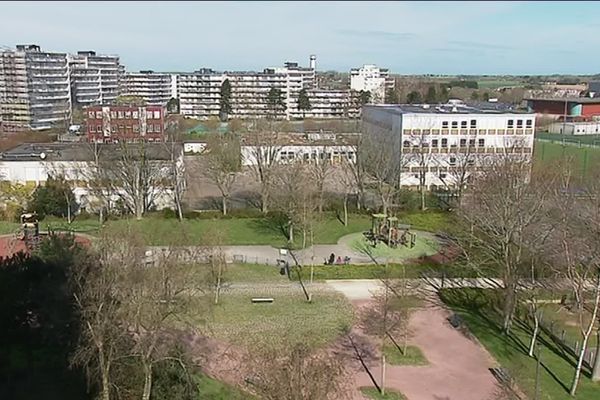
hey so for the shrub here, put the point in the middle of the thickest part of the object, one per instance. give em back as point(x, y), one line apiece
point(168, 213)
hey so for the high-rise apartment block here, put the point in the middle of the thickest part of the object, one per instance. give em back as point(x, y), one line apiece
point(95, 78)
point(373, 79)
point(34, 88)
point(154, 88)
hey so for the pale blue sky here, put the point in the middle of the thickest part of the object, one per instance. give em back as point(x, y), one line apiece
point(408, 38)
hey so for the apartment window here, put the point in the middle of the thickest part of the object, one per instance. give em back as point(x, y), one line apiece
point(156, 114)
point(529, 123)
point(473, 123)
point(113, 114)
point(463, 124)
point(149, 115)
point(113, 129)
point(136, 128)
point(481, 142)
point(463, 142)
point(127, 114)
point(452, 160)
point(120, 114)
point(98, 114)
point(306, 156)
point(90, 129)
point(434, 142)
point(156, 128)
point(445, 124)
point(519, 123)
point(455, 124)
point(511, 124)
point(150, 128)
point(471, 142)
point(406, 143)
point(90, 114)
point(444, 142)
point(99, 129)
point(443, 175)
point(134, 115)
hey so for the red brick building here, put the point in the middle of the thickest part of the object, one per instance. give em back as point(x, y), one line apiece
point(114, 123)
point(573, 108)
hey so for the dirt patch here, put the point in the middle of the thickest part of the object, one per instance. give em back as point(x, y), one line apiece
point(11, 245)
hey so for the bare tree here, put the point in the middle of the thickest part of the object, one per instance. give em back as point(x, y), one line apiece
point(300, 373)
point(419, 158)
point(176, 166)
point(262, 156)
point(347, 177)
point(500, 224)
point(460, 169)
point(222, 165)
point(320, 169)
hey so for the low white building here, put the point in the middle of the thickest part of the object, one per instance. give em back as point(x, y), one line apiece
point(373, 79)
point(575, 128)
point(34, 163)
point(434, 140)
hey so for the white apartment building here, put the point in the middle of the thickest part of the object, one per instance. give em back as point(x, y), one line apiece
point(325, 103)
point(155, 88)
point(95, 78)
point(199, 93)
point(435, 139)
point(373, 79)
point(34, 88)
point(297, 78)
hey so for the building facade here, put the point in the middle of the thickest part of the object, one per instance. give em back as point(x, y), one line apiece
point(199, 93)
point(373, 79)
point(95, 78)
point(569, 108)
point(154, 88)
point(35, 89)
point(122, 123)
point(434, 141)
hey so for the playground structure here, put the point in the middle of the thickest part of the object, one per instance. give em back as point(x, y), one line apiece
point(389, 231)
point(30, 230)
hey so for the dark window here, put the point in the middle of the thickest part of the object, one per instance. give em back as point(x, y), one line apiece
point(511, 123)
point(452, 160)
point(481, 142)
point(463, 142)
point(444, 142)
point(519, 123)
point(463, 124)
point(529, 123)
point(455, 124)
point(406, 143)
point(445, 124)
point(471, 142)
point(473, 123)
point(434, 143)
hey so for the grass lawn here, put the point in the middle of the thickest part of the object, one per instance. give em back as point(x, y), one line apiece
point(497, 83)
point(286, 321)
point(576, 140)
point(413, 355)
point(253, 273)
point(372, 271)
point(511, 351)
point(585, 159)
point(373, 393)
point(8, 227)
point(211, 389)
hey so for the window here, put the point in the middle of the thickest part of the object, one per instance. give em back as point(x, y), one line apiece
point(406, 143)
point(136, 128)
point(529, 123)
point(134, 115)
point(113, 114)
point(149, 115)
point(434, 142)
point(128, 114)
point(444, 142)
point(157, 115)
point(473, 123)
point(463, 142)
point(519, 123)
point(90, 114)
point(510, 123)
point(445, 124)
point(471, 142)
point(157, 128)
point(452, 160)
point(120, 114)
point(150, 126)
point(98, 114)
point(481, 142)
point(113, 129)
point(443, 175)
point(454, 124)
point(463, 124)
point(306, 156)
point(90, 129)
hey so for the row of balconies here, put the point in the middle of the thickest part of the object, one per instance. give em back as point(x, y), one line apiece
point(527, 131)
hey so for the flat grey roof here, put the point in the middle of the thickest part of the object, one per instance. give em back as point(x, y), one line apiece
point(82, 151)
point(583, 100)
point(459, 108)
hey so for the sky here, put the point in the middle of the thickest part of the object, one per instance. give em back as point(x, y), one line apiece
point(406, 37)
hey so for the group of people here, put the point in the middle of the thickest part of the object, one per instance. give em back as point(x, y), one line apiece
point(339, 261)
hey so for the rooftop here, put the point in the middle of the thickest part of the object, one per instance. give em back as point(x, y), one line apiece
point(582, 100)
point(452, 107)
point(81, 151)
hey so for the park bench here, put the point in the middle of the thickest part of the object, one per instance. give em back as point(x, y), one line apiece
point(262, 300)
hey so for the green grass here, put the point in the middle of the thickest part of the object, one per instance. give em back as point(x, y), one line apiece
point(281, 324)
point(511, 351)
point(8, 227)
point(431, 221)
point(497, 83)
point(413, 355)
point(371, 271)
point(574, 140)
point(253, 273)
point(585, 160)
point(424, 246)
point(373, 393)
point(212, 389)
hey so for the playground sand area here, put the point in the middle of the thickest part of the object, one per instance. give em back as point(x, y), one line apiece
point(425, 245)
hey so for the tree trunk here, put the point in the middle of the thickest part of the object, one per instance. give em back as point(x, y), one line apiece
point(536, 328)
point(382, 389)
point(291, 232)
point(423, 203)
point(224, 202)
point(218, 289)
point(579, 365)
point(104, 371)
point(101, 215)
point(509, 308)
point(596, 368)
point(147, 383)
point(264, 200)
point(346, 210)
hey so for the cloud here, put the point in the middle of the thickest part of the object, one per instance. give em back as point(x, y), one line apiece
point(479, 45)
point(386, 35)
